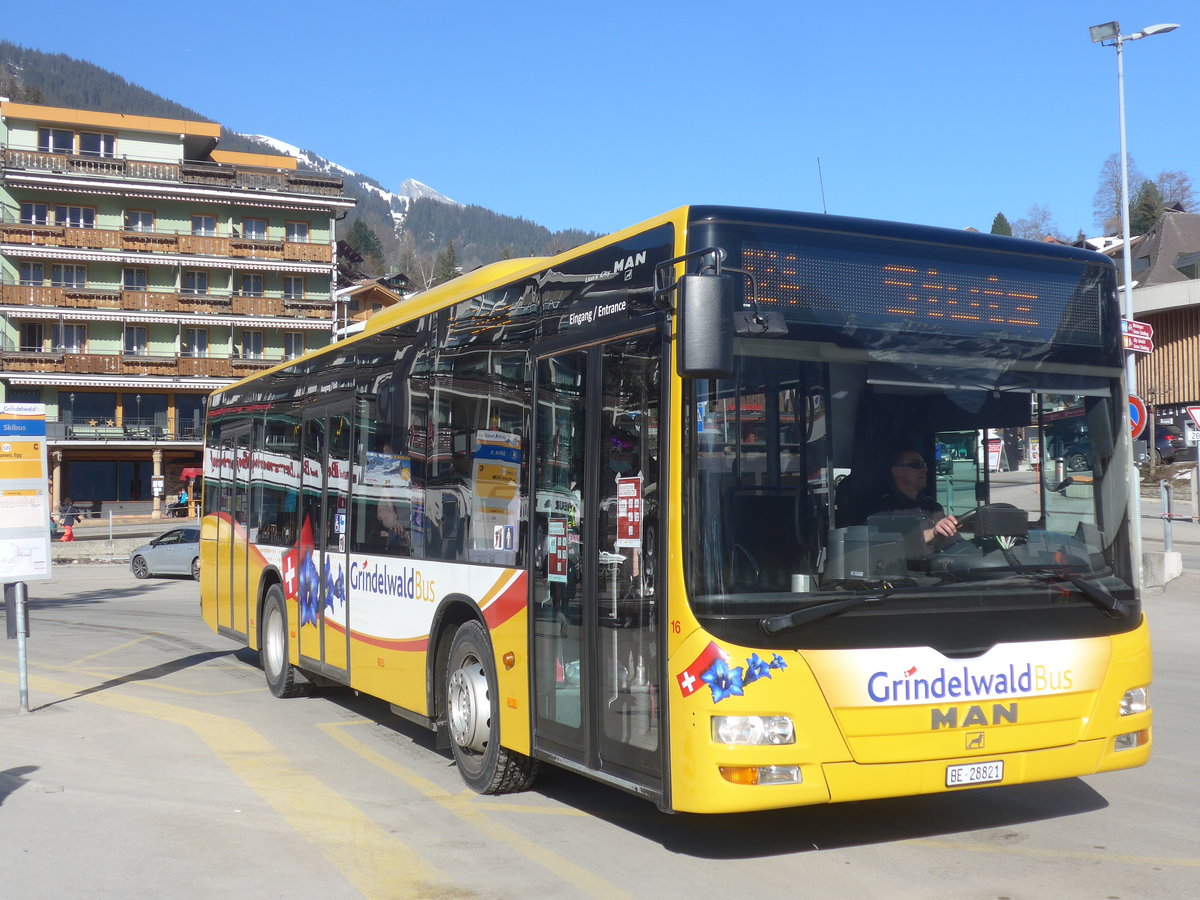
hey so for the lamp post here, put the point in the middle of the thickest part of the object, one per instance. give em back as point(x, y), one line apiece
point(1109, 35)
point(139, 410)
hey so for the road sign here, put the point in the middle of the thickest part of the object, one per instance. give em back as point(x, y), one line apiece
point(1194, 412)
point(1137, 415)
point(1137, 336)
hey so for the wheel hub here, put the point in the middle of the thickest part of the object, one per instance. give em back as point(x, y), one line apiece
point(469, 707)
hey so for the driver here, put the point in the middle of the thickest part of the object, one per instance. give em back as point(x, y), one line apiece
point(906, 496)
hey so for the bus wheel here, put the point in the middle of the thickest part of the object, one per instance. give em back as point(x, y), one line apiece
point(473, 716)
point(273, 643)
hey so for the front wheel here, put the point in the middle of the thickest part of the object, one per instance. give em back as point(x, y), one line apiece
point(196, 569)
point(140, 569)
point(282, 676)
point(1077, 462)
point(473, 716)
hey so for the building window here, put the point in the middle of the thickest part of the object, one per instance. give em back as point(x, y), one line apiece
point(32, 274)
point(195, 282)
point(68, 338)
point(75, 216)
point(34, 214)
point(252, 345)
point(32, 336)
point(92, 144)
point(133, 279)
point(195, 342)
point(139, 220)
point(293, 344)
point(56, 140)
point(204, 226)
point(252, 284)
point(68, 276)
point(255, 229)
point(135, 340)
point(293, 287)
point(296, 232)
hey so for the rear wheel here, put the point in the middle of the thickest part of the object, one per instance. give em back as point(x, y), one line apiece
point(1077, 462)
point(196, 569)
point(140, 569)
point(281, 674)
point(474, 718)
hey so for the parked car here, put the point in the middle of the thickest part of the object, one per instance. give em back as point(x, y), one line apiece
point(174, 552)
point(1171, 446)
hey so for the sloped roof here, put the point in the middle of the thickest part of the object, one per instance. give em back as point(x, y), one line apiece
point(1164, 247)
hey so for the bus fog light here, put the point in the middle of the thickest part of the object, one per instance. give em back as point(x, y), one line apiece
point(753, 730)
point(1132, 740)
point(1135, 701)
point(762, 774)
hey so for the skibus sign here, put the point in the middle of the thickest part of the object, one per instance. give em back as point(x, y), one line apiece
point(1137, 336)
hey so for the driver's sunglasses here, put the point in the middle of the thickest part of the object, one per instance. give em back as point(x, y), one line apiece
point(915, 464)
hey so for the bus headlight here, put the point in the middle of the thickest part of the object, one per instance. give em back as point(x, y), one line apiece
point(753, 730)
point(1135, 701)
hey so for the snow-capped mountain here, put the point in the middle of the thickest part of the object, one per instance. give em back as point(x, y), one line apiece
point(410, 189)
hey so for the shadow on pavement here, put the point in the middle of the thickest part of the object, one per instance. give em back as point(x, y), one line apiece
point(14, 778)
point(159, 671)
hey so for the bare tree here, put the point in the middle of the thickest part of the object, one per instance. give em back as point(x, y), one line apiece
point(1106, 204)
point(1176, 187)
point(1037, 225)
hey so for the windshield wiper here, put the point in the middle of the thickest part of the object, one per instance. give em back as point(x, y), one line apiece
point(1096, 595)
point(806, 614)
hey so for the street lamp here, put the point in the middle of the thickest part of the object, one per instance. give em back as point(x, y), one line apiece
point(1109, 35)
point(139, 410)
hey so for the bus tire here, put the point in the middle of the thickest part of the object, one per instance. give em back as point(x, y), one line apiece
point(281, 675)
point(473, 717)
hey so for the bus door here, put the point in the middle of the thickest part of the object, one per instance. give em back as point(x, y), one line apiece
point(596, 601)
point(232, 474)
point(323, 512)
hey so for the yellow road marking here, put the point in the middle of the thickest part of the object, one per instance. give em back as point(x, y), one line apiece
point(466, 806)
point(100, 653)
point(369, 857)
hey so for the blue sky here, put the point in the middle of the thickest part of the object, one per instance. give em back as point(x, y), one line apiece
point(597, 115)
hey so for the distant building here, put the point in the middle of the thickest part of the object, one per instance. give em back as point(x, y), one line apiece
point(140, 268)
point(1166, 295)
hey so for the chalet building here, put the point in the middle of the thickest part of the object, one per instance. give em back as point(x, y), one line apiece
point(140, 268)
point(1166, 295)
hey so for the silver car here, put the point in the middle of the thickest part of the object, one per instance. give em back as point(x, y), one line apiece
point(175, 552)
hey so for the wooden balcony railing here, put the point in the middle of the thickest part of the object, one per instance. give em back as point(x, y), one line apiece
point(127, 364)
point(68, 298)
point(164, 242)
point(197, 172)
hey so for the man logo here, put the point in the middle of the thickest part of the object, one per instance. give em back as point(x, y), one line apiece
point(975, 741)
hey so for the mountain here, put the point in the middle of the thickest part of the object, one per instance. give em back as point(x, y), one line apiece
point(414, 223)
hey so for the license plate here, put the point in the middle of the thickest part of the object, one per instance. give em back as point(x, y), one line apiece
point(974, 773)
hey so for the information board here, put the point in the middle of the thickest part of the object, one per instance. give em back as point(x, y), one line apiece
point(24, 495)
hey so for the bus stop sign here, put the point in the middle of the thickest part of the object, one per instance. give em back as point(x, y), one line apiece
point(1137, 415)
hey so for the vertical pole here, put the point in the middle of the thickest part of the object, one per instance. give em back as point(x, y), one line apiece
point(1135, 481)
point(1164, 493)
point(22, 596)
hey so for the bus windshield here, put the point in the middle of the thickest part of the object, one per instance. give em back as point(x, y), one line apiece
point(795, 498)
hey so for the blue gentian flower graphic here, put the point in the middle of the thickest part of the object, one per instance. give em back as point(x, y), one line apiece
point(756, 669)
point(723, 681)
point(777, 662)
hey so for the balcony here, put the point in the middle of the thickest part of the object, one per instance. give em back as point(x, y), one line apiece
point(223, 243)
point(201, 173)
point(75, 362)
point(274, 304)
point(116, 429)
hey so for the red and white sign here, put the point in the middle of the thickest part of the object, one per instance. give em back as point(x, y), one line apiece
point(1137, 336)
point(556, 550)
point(629, 512)
point(1137, 415)
point(1194, 412)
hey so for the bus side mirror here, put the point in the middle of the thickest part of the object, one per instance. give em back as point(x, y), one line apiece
point(705, 326)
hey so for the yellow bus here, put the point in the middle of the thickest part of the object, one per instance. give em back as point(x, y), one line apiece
point(631, 510)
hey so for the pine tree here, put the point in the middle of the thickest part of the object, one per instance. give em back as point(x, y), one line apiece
point(447, 264)
point(362, 237)
point(1147, 208)
point(1000, 225)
